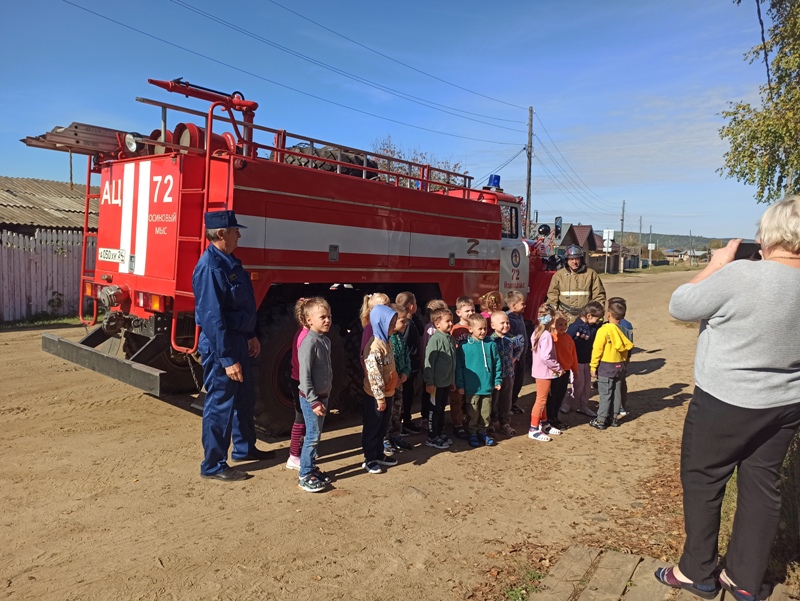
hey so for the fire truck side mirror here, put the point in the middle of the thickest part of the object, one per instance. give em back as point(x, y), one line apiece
point(559, 221)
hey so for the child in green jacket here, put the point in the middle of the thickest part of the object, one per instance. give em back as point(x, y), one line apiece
point(439, 374)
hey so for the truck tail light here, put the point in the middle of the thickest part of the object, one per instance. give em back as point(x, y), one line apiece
point(92, 290)
point(153, 302)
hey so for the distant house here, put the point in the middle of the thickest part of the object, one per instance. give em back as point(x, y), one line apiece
point(27, 205)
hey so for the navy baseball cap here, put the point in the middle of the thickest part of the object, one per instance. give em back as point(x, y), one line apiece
point(216, 220)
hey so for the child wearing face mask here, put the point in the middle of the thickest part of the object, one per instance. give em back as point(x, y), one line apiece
point(544, 369)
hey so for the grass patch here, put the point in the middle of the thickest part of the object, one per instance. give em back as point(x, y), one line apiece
point(42, 319)
point(530, 584)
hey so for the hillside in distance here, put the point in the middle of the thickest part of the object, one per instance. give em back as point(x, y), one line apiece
point(670, 241)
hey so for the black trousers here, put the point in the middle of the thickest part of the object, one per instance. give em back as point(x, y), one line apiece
point(519, 376)
point(437, 411)
point(408, 396)
point(718, 438)
point(558, 390)
point(375, 425)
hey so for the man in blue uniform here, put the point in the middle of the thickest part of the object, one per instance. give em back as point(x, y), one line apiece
point(225, 310)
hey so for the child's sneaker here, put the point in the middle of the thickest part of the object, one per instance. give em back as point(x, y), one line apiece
point(322, 476)
point(588, 412)
point(461, 432)
point(437, 443)
point(372, 467)
point(549, 429)
point(622, 414)
point(508, 430)
point(401, 444)
point(595, 423)
point(537, 434)
point(448, 440)
point(615, 423)
point(311, 483)
point(387, 461)
point(388, 448)
point(293, 463)
point(474, 442)
point(488, 441)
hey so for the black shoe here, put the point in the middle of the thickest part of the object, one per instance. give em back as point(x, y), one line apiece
point(615, 423)
point(228, 475)
point(256, 455)
point(461, 432)
point(517, 409)
point(558, 424)
point(411, 429)
point(596, 424)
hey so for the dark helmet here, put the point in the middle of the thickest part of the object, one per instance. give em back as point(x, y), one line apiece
point(544, 230)
point(574, 252)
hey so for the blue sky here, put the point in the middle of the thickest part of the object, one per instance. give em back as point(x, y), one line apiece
point(627, 94)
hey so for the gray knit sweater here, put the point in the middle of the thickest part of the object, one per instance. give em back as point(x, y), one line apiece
point(316, 375)
point(748, 351)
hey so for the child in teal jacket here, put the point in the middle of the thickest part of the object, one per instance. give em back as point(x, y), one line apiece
point(479, 371)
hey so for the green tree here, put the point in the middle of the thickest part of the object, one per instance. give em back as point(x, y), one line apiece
point(715, 243)
point(765, 140)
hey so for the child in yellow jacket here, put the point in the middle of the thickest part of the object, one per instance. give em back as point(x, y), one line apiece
point(609, 361)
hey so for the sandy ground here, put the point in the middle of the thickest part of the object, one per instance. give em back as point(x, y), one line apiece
point(102, 497)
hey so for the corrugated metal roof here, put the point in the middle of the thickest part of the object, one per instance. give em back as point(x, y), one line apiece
point(43, 203)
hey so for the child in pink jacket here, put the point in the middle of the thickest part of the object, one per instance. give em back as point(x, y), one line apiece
point(545, 368)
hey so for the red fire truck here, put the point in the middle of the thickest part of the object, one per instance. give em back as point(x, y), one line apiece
point(322, 219)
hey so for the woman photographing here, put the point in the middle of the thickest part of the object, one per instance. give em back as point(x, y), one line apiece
point(746, 404)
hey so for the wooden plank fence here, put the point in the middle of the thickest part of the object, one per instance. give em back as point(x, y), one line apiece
point(41, 274)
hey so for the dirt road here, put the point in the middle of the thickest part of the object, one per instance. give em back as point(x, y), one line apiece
point(102, 497)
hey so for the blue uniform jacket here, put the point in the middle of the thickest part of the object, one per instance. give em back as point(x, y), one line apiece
point(225, 306)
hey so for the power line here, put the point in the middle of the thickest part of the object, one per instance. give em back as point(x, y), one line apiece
point(565, 191)
point(399, 62)
point(378, 86)
point(597, 196)
point(583, 198)
point(261, 77)
point(501, 167)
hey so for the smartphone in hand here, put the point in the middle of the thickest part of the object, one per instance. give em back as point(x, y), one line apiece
point(749, 251)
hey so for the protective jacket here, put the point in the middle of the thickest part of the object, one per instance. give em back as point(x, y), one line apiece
point(570, 291)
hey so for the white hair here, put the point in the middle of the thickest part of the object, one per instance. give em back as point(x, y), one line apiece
point(779, 226)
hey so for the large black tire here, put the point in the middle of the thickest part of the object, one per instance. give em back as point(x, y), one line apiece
point(179, 366)
point(331, 154)
point(274, 403)
point(352, 391)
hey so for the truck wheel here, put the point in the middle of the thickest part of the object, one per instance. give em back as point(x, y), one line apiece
point(179, 367)
point(274, 410)
point(352, 391)
point(274, 402)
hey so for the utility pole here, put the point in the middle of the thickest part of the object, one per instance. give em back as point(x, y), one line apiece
point(650, 252)
point(691, 248)
point(529, 152)
point(640, 242)
point(621, 238)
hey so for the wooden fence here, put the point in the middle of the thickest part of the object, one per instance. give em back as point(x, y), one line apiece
point(41, 274)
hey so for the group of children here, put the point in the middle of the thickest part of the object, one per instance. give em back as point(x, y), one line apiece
point(474, 366)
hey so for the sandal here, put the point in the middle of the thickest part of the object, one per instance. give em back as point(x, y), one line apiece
point(704, 591)
point(738, 593)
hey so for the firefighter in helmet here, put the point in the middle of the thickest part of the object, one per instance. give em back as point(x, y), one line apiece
point(575, 285)
point(225, 310)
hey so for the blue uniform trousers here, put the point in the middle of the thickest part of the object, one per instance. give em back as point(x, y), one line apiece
point(228, 412)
